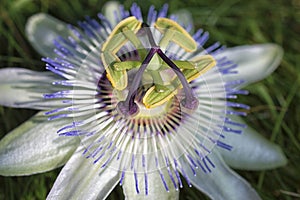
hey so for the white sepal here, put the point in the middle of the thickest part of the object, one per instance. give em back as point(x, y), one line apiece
point(35, 147)
point(24, 88)
point(155, 187)
point(80, 178)
point(221, 183)
point(251, 151)
point(255, 62)
point(42, 29)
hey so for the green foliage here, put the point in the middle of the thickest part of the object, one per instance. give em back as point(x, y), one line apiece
point(275, 112)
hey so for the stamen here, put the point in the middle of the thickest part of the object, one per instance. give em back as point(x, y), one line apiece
point(190, 102)
point(129, 107)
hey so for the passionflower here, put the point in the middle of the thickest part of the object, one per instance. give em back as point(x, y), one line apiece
point(138, 101)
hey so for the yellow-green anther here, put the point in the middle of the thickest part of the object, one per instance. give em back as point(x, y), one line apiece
point(130, 35)
point(197, 66)
point(155, 97)
point(128, 24)
point(174, 32)
point(158, 94)
point(121, 34)
point(165, 40)
point(201, 65)
point(118, 79)
point(184, 64)
point(126, 65)
point(156, 78)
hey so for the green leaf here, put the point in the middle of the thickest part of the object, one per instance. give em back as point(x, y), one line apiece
point(35, 147)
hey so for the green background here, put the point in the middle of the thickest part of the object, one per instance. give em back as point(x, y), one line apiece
point(274, 102)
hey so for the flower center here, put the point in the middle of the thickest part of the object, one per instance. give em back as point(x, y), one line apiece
point(149, 58)
point(162, 119)
point(129, 107)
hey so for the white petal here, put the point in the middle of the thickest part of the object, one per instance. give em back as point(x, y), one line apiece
point(110, 10)
point(252, 151)
point(156, 188)
point(35, 147)
point(81, 179)
point(18, 86)
point(42, 29)
point(222, 183)
point(255, 62)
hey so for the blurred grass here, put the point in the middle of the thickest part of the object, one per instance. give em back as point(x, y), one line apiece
point(275, 111)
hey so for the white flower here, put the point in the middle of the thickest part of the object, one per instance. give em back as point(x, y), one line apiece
point(136, 127)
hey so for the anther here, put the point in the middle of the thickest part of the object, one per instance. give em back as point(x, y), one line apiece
point(190, 102)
